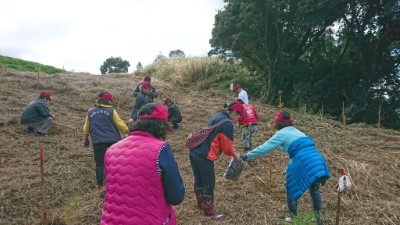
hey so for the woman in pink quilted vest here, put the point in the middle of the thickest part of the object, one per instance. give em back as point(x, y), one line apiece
point(142, 178)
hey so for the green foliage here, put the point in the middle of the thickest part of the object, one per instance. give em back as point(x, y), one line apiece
point(139, 66)
point(23, 65)
point(114, 65)
point(305, 218)
point(160, 57)
point(176, 54)
point(74, 205)
point(318, 52)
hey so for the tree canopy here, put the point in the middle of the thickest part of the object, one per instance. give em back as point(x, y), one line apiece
point(114, 65)
point(319, 53)
point(176, 54)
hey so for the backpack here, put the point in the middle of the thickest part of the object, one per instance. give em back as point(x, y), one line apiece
point(199, 136)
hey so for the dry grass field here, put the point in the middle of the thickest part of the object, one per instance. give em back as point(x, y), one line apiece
point(371, 156)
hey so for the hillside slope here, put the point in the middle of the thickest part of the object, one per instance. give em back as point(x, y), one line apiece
point(369, 155)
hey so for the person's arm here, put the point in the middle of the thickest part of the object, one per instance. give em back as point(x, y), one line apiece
point(139, 102)
point(86, 132)
point(44, 110)
point(173, 185)
point(119, 123)
point(267, 147)
point(136, 91)
point(174, 112)
point(86, 127)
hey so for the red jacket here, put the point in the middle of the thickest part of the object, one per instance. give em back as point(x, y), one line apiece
point(249, 115)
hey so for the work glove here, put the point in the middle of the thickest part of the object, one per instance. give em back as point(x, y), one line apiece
point(243, 157)
point(86, 144)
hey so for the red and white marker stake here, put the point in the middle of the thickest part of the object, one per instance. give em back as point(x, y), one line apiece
point(42, 186)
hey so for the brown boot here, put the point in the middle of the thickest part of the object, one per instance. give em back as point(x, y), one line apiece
point(198, 192)
point(208, 208)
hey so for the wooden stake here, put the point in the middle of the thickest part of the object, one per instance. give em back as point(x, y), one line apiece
point(322, 111)
point(42, 187)
point(344, 128)
point(338, 209)
point(338, 200)
point(38, 72)
point(379, 116)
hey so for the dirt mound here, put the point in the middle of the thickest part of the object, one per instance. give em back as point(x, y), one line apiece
point(369, 155)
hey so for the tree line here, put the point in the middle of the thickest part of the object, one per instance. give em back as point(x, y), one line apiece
point(319, 53)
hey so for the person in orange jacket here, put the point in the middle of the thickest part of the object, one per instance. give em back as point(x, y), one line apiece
point(202, 158)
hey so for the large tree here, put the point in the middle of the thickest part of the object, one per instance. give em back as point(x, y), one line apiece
point(114, 65)
point(268, 35)
point(316, 51)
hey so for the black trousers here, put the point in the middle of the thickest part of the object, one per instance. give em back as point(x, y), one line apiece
point(99, 151)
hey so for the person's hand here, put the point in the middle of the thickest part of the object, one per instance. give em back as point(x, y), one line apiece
point(86, 143)
point(237, 158)
point(130, 122)
point(243, 157)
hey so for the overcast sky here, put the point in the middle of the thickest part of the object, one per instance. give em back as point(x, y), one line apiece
point(81, 35)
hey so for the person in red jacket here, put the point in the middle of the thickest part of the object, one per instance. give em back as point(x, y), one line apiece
point(248, 121)
point(203, 156)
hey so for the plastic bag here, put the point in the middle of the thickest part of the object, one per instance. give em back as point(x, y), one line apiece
point(234, 170)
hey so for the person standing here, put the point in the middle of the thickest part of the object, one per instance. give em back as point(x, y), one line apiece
point(203, 156)
point(37, 115)
point(104, 126)
point(307, 168)
point(174, 114)
point(142, 178)
point(146, 79)
point(248, 121)
point(242, 94)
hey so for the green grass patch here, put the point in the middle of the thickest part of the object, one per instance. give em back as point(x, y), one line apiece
point(23, 65)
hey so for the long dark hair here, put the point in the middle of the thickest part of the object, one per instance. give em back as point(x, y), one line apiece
point(157, 128)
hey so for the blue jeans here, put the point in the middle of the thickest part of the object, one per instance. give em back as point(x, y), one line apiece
point(204, 173)
point(99, 151)
point(315, 195)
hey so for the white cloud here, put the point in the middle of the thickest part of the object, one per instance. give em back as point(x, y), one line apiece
point(80, 35)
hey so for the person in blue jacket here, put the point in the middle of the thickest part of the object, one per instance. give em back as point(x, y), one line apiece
point(307, 168)
point(104, 126)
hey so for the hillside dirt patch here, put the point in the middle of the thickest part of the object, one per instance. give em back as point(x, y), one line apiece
point(371, 156)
